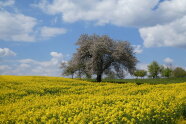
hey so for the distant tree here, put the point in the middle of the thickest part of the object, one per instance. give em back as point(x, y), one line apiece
point(74, 68)
point(154, 69)
point(68, 69)
point(166, 72)
point(136, 73)
point(96, 54)
point(140, 73)
point(179, 72)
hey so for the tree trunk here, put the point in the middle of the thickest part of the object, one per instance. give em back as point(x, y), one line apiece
point(99, 76)
point(72, 76)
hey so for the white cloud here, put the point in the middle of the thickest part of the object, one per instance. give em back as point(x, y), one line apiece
point(16, 27)
point(170, 31)
point(7, 3)
point(20, 28)
point(170, 10)
point(120, 12)
point(168, 60)
point(34, 67)
point(56, 54)
point(137, 49)
point(47, 32)
point(171, 34)
point(6, 52)
point(161, 23)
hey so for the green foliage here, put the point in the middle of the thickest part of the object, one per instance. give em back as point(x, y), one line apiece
point(179, 72)
point(140, 73)
point(145, 81)
point(154, 69)
point(166, 72)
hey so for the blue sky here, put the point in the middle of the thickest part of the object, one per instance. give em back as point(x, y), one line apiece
point(36, 35)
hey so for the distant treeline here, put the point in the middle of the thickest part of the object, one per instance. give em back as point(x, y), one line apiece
point(102, 57)
point(144, 81)
point(159, 71)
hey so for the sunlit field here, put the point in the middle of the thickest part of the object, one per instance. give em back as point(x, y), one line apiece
point(25, 99)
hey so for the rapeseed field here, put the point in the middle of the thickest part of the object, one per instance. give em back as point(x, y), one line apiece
point(36, 99)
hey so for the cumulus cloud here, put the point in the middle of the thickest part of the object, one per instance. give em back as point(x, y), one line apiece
point(56, 54)
point(138, 49)
point(171, 34)
point(168, 60)
point(16, 27)
point(21, 28)
point(120, 12)
point(6, 52)
point(171, 30)
point(156, 19)
point(47, 32)
point(170, 10)
point(34, 67)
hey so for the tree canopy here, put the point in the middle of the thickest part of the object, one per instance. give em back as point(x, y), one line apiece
point(140, 73)
point(99, 54)
point(166, 72)
point(179, 72)
point(154, 69)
